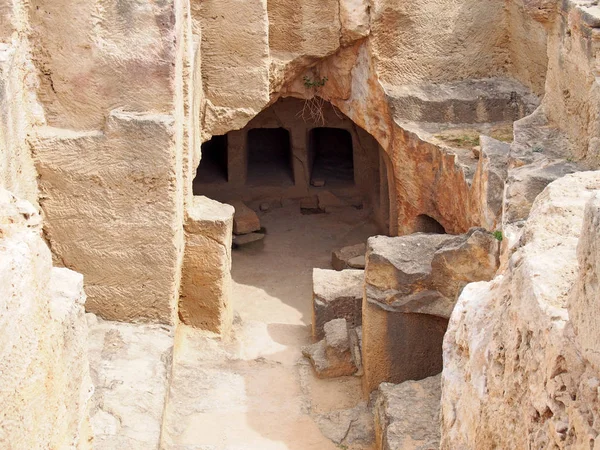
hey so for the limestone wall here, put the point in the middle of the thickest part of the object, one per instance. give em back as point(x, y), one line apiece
point(111, 202)
point(377, 52)
point(528, 41)
point(111, 157)
point(414, 42)
point(572, 100)
point(520, 355)
point(45, 385)
point(94, 57)
point(19, 109)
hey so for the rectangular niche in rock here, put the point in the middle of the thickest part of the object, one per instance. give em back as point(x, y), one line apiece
point(213, 165)
point(269, 157)
point(332, 157)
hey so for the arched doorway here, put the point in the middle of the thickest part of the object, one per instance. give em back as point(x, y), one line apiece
point(280, 155)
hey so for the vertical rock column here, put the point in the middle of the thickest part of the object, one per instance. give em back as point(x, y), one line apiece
point(206, 282)
point(45, 383)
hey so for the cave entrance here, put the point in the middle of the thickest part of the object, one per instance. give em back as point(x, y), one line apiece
point(427, 224)
point(332, 156)
point(279, 155)
point(213, 166)
point(269, 157)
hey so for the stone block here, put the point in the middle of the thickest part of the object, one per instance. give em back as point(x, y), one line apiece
point(124, 232)
point(336, 295)
point(411, 286)
point(206, 278)
point(407, 415)
point(340, 259)
point(332, 356)
point(309, 203)
point(245, 219)
point(328, 200)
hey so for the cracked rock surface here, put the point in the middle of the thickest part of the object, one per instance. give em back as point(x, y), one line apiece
point(129, 366)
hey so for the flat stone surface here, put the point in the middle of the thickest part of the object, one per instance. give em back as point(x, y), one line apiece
point(129, 365)
point(340, 259)
point(358, 262)
point(407, 415)
point(336, 295)
point(245, 219)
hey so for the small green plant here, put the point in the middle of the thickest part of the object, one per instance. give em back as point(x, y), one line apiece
point(570, 159)
point(538, 149)
point(498, 235)
point(314, 104)
point(316, 83)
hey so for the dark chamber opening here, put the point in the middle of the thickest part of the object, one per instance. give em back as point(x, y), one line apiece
point(213, 164)
point(426, 224)
point(269, 157)
point(331, 151)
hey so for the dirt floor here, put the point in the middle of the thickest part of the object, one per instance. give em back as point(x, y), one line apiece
point(256, 391)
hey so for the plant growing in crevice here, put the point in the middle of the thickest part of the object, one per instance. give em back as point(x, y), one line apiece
point(498, 235)
point(313, 106)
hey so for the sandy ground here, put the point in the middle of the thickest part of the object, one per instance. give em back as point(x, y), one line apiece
point(255, 391)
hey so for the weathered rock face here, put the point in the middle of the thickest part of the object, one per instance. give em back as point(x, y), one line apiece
point(336, 295)
point(130, 367)
point(111, 156)
point(206, 282)
point(489, 182)
point(20, 111)
point(572, 92)
point(333, 357)
point(407, 415)
point(120, 222)
point(520, 368)
point(411, 286)
point(45, 384)
point(340, 259)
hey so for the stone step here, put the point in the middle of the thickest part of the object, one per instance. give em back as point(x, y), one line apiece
point(333, 357)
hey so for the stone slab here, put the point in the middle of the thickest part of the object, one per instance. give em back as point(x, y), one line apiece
point(245, 220)
point(336, 295)
point(340, 259)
